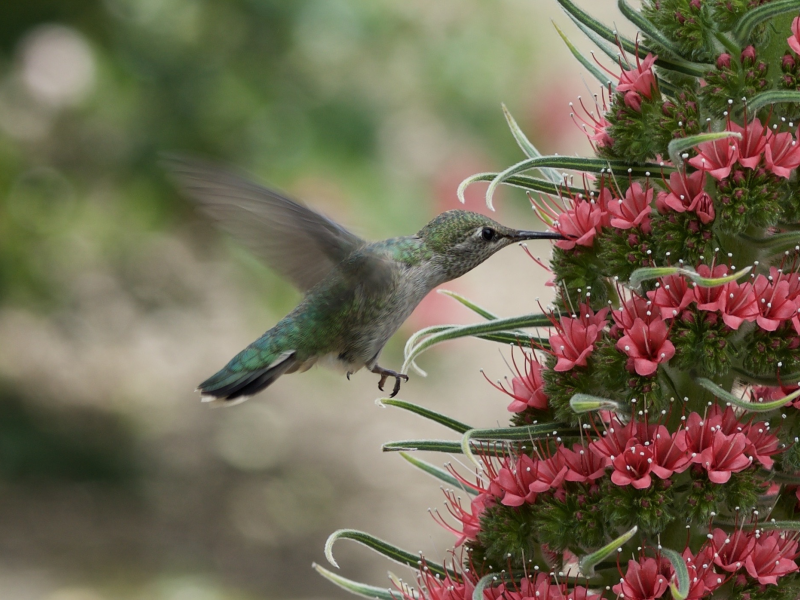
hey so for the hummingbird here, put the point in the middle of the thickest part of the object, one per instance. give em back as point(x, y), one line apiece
point(357, 294)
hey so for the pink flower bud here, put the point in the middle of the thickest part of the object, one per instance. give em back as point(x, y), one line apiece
point(724, 61)
point(749, 54)
point(787, 62)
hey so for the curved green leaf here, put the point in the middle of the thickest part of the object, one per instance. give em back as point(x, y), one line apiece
point(483, 583)
point(446, 446)
point(647, 273)
point(583, 403)
point(758, 15)
point(384, 548)
point(427, 413)
point(769, 380)
point(647, 28)
point(574, 163)
point(469, 304)
point(354, 587)
point(680, 145)
point(588, 562)
point(681, 590)
point(745, 404)
point(529, 149)
point(773, 97)
point(780, 242)
point(673, 63)
point(528, 433)
point(587, 64)
point(775, 526)
point(514, 338)
point(438, 473)
point(523, 182)
point(458, 331)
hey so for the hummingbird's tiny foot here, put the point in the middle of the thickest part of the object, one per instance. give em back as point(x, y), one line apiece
point(385, 374)
point(348, 375)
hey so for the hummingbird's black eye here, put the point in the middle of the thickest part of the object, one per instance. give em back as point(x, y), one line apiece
point(488, 234)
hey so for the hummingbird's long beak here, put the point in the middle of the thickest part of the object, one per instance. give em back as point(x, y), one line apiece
point(519, 236)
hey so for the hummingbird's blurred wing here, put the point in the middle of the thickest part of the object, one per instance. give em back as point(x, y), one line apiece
point(296, 241)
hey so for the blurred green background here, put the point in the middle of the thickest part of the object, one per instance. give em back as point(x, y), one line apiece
point(117, 298)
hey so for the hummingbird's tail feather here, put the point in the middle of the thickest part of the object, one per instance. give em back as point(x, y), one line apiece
point(229, 387)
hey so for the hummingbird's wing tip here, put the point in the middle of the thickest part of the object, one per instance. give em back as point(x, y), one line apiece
point(216, 402)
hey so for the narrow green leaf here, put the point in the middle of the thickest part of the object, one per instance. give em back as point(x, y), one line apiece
point(458, 331)
point(780, 477)
point(515, 338)
point(529, 149)
point(588, 562)
point(745, 404)
point(354, 587)
point(470, 304)
point(427, 413)
point(483, 583)
point(758, 15)
point(780, 242)
point(528, 433)
point(446, 446)
point(384, 548)
point(522, 182)
point(587, 64)
point(774, 526)
point(574, 163)
point(438, 473)
point(647, 273)
point(680, 145)
point(672, 63)
point(710, 282)
point(583, 403)
point(773, 97)
point(647, 28)
point(768, 380)
point(681, 590)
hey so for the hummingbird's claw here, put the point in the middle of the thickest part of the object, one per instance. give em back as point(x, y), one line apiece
point(385, 374)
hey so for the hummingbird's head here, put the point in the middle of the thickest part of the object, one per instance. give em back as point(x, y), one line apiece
point(462, 240)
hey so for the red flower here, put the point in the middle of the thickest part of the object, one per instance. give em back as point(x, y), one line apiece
point(773, 302)
point(794, 39)
point(441, 588)
point(552, 472)
point(582, 465)
point(579, 225)
point(634, 210)
point(782, 154)
point(699, 433)
point(684, 192)
point(647, 344)
point(470, 521)
point(528, 389)
point(514, 482)
point(761, 443)
point(710, 298)
point(724, 456)
point(640, 80)
point(643, 581)
point(670, 454)
point(704, 208)
point(671, 296)
point(634, 308)
point(730, 551)
point(573, 344)
point(752, 144)
point(633, 467)
point(716, 157)
point(702, 577)
point(740, 304)
point(772, 557)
